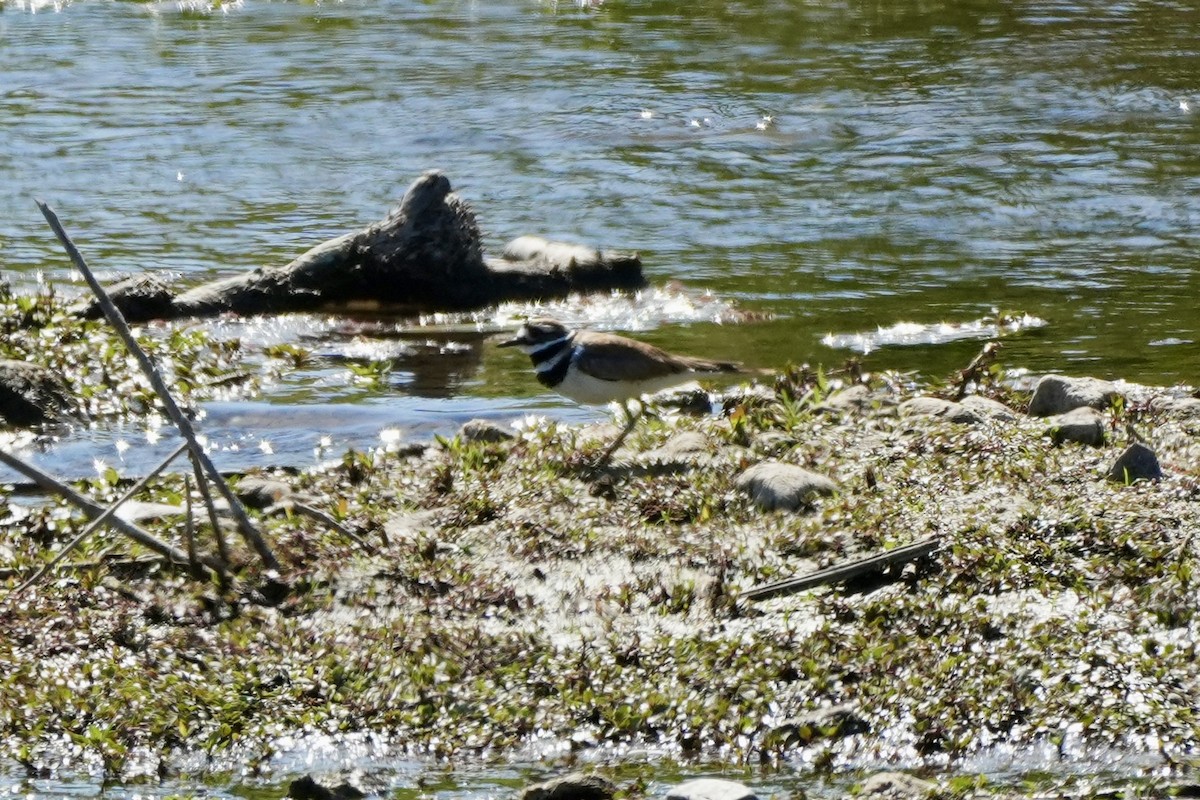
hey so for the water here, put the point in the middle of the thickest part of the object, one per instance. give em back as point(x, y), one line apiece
point(835, 167)
point(840, 167)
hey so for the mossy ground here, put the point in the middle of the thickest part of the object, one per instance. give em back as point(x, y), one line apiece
point(516, 598)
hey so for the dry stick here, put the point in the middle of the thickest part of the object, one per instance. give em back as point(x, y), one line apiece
point(842, 572)
point(94, 510)
point(98, 521)
point(117, 320)
point(84, 566)
point(189, 526)
point(213, 518)
point(321, 516)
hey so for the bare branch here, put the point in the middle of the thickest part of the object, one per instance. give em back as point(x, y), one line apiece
point(117, 320)
point(96, 511)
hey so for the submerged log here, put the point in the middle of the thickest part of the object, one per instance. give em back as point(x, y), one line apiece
point(426, 255)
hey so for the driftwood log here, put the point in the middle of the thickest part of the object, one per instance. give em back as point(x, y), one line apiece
point(426, 255)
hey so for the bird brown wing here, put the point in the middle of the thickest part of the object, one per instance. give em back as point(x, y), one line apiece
point(614, 358)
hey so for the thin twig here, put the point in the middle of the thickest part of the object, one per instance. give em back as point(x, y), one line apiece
point(99, 563)
point(94, 510)
point(189, 526)
point(321, 516)
point(117, 320)
point(98, 521)
point(213, 518)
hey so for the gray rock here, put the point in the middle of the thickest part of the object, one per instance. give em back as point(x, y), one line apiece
point(138, 511)
point(682, 448)
point(711, 789)
point(988, 408)
point(832, 722)
point(854, 398)
point(482, 430)
point(895, 786)
point(1083, 425)
point(576, 786)
point(773, 485)
point(937, 407)
point(308, 789)
point(32, 395)
point(1184, 407)
point(262, 493)
point(1058, 394)
point(1137, 463)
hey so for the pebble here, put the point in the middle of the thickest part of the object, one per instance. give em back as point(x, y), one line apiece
point(1138, 462)
point(988, 408)
point(575, 786)
point(482, 430)
point(832, 722)
point(262, 493)
point(711, 789)
point(773, 485)
point(1084, 425)
point(895, 786)
point(937, 407)
point(684, 448)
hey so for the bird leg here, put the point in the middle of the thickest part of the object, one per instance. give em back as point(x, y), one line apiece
point(632, 420)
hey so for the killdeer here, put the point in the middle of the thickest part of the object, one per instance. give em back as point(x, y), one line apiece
point(597, 368)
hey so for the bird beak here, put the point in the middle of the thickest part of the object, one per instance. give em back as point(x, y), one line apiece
point(513, 342)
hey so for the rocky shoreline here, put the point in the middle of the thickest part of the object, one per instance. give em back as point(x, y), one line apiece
point(472, 595)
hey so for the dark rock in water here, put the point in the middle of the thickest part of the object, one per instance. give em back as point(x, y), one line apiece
point(141, 297)
point(576, 786)
point(482, 430)
point(773, 485)
point(937, 407)
point(32, 395)
point(895, 786)
point(1058, 394)
point(1137, 463)
point(1083, 425)
point(711, 789)
point(308, 789)
point(427, 255)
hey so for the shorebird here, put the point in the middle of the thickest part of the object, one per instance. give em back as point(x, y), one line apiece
point(598, 368)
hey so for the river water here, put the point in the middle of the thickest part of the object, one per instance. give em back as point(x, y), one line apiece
point(834, 167)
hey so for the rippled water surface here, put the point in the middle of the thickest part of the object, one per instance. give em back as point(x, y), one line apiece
point(839, 166)
point(860, 176)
